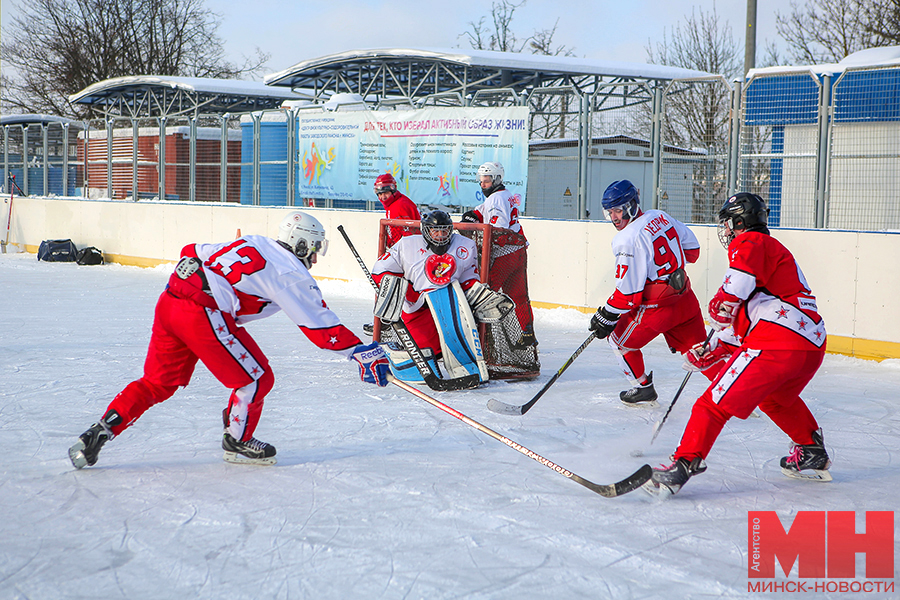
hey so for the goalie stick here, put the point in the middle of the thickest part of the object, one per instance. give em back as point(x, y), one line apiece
point(510, 409)
point(610, 490)
point(409, 344)
point(659, 423)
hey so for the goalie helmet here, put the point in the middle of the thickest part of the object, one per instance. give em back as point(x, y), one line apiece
point(385, 183)
point(622, 194)
point(303, 236)
point(742, 212)
point(494, 170)
point(437, 229)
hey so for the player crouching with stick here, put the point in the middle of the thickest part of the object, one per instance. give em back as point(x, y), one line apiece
point(768, 307)
point(214, 290)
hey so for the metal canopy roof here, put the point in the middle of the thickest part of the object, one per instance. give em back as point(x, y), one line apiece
point(142, 96)
point(413, 73)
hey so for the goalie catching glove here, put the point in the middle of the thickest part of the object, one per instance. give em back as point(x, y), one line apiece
point(723, 309)
point(373, 364)
point(603, 322)
point(487, 305)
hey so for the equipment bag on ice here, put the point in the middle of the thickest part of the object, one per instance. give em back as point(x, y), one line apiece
point(89, 256)
point(57, 251)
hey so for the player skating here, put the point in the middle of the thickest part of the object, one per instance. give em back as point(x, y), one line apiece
point(766, 305)
point(430, 281)
point(653, 292)
point(509, 257)
point(214, 290)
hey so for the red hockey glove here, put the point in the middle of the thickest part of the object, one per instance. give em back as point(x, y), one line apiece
point(723, 309)
point(373, 364)
point(700, 358)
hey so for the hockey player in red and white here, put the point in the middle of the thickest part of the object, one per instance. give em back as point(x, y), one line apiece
point(214, 291)
point(436, 260)
point(509, 258)
point(766, 307)
point(653, 293)
point(396, 206)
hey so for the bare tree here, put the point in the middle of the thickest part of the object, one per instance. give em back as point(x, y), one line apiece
point(697, 115)
point(820, 31)
point(883, 21)
point(59, 47)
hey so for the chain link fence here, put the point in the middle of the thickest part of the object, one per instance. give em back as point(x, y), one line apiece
point(823, 151)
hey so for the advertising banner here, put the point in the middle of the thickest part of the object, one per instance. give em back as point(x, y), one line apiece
point(433, 153)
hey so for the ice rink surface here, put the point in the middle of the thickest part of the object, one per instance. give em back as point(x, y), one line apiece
point(377, 494)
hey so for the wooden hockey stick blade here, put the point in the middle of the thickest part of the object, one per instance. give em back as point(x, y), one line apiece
point(611, 490)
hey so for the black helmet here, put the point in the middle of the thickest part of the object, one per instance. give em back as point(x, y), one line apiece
point(437, 229)
point(743, 211)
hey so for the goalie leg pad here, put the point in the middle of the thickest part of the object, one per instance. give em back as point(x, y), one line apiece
point(487, 305)
point(403, 367)
point(391, 293)
point(458, 332)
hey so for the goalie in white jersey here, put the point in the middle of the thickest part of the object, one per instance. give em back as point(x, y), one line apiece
point(214, 290)
point(653, 293)
point(411, 272)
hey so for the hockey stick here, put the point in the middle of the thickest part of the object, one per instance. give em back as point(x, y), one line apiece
point(510, 409)
point(630, 483)
point(428, 374)
point(687, 376)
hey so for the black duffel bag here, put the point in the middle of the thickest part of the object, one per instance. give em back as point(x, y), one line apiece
point(57, 251)
point(89, 256)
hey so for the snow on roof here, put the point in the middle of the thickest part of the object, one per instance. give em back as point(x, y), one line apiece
point(870, 57)
point(30, 119)
point(490, 59)
point(187, 84)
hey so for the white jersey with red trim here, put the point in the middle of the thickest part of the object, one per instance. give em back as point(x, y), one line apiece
point(650, 248)
point(254, 277)
point(501, 209)
point(411, 258)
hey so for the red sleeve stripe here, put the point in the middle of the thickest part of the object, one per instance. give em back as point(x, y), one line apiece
point(623, 303)
point(692, 255)
point(332, 338)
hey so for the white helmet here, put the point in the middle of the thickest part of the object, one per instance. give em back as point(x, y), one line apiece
point(303, 235)
point(494, 170)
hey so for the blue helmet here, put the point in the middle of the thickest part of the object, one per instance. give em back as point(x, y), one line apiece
point(622, 194)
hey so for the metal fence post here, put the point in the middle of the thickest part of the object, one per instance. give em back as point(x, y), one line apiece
point(822, 151)
point(257, 136)
point(192, 160)
point(162, 158)
point(223, 160)
point(735, 149)
point(109, 158)
point(656, 146)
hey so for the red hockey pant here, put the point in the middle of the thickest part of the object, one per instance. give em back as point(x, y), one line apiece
point(509, 274)
point(769, 379)
point(184, 332)
point(681, 323)
point(423, 330)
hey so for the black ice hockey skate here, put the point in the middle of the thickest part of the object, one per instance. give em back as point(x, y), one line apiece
point(251, 452)
point(668, 480)
point(808, 462)
point(641, 394)
point(85, 451)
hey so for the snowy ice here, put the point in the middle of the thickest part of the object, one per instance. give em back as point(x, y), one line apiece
point(376, 493)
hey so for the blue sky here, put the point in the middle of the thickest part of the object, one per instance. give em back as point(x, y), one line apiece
point(606, 30)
